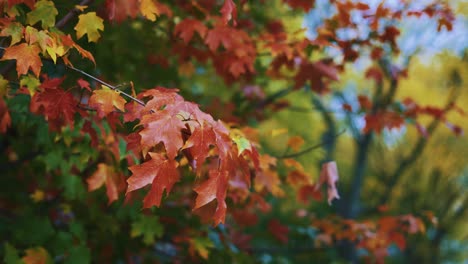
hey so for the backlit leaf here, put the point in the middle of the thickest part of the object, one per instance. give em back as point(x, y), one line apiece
point(89, 24)
point(26, 56)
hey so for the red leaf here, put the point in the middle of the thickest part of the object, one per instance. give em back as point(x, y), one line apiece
point(199, 143)
point(5, 119)
point(309, 191)
point(119, 10)
point(229, 11)
point(187, 27)
point(26, 56)
point(162, 127)
point(329, 175)
point(306, 5)
point(58, 106)
point(84, 84)
point(160, 172)
point(213, 188)
point(278, 230)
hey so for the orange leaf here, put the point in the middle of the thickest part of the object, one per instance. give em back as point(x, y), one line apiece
point(26, 56)
point(160, 172)
point(295, 142)
point(213, 188)
point(105, 100)
point(105, 174)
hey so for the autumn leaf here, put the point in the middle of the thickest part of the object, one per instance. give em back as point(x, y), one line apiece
point(5, 118)
point(199, 144)
point(278, 230)
point(57, 105)
point(106, 174)
point(89, 24)
point(26, 56)
point(162, 127)
point(43, 11)
point(37, 255)
point(160, 172)
point(13, 30)
point(213, 188)
point(295, 142)
point(267, 177)
point(149, 9)
point(187, 27)
point(229, 11)
point(306, 5)
point(106, 100)
point(329, 175)
point(147, 226)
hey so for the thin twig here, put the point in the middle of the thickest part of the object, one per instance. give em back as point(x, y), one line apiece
point(309, 149)
point(108, 85)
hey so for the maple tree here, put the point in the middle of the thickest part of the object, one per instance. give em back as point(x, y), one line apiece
point(181, 168)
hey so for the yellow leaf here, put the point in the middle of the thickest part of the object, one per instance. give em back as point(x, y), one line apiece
point(89, 24)
point(81, 7)
point(278, 131)
point(38, 195)
point(149, 10)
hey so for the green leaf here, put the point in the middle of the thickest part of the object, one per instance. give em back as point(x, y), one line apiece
point(242, 144)
point(31, 82)
point(45, 12)
point(33, 230)
point(11, 255)
point(79, 255)
point(149, 227)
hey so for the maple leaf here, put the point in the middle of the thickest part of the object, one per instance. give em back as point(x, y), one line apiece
point(229, 11)
point(278, 230)
point(162, 127)
point(41, 37)
point(267, 178)
point(147, 226)
point(213, 188)
point(13, 30)
point(329, 175)
point(149, 9)
point(160, 172)
point(307, 191)
point(43, 11)
point(218, 35)
point(58, 106)
point(105, 100)
point(106, 174)
point(89, 24)
point(187, 27)
point(119, 10)
point(26, 56)
point(199, 144)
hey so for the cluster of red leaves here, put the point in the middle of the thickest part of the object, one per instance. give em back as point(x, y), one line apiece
point(373, 236)
point(395, 116)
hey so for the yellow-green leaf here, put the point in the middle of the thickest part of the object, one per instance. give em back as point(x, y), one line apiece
point(89, 24)
point(13, 30)
point(45, 12)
